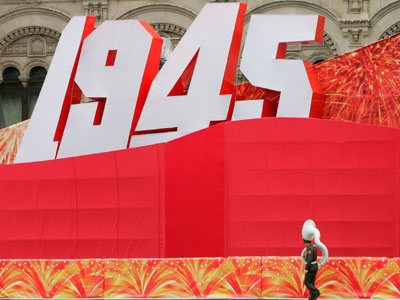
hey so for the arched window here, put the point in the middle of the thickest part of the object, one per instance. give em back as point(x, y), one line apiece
point(17, 101)
point(10, 98)
point(318, 61)
point(36, 79)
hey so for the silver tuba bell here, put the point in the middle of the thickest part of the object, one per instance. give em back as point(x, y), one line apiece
point(310, 232)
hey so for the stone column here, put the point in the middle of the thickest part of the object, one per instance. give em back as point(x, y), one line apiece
point(86, 9)
point(24, 82)
point(104, 11)
point(96, 11)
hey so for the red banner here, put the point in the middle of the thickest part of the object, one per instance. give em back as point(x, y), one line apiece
point(234, 277)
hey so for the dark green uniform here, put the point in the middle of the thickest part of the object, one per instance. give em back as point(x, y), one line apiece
point(311, 272)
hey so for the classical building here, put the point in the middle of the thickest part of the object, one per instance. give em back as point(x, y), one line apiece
point(30, 29)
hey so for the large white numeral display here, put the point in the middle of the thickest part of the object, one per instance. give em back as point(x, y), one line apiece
point(40, 141)
point(112, 68)
point(207, 44)
point(263, 64)
point(131, 105)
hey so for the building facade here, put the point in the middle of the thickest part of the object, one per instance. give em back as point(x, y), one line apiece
point(30, 30)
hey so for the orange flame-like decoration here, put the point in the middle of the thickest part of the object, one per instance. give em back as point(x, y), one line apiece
point(51, 279)
point(235, 277)
point(10, 139)
point(283, 277)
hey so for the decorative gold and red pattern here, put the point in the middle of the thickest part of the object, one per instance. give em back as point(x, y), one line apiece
point(234, 277)
point(339, 278)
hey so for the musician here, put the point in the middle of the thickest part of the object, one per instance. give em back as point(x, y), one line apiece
point(310, 257)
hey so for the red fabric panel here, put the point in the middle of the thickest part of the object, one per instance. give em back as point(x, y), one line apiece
point(97, 186)
point(140, 228)
point(56, 234)
point(51, 178)
point(36, 213)
point(194, 195)
point(18, 233)
point(18, 186)
point(280, 172)
point(56, 210)
point(98, 223)
point(104, 205)
point(18, 248)
point(97, 206)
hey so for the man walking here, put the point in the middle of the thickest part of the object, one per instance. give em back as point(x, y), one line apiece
point(311, 269)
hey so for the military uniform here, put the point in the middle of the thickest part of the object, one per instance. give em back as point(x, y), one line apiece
point(311, 272)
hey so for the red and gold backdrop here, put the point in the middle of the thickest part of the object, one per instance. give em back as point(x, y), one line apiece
point(248, 187)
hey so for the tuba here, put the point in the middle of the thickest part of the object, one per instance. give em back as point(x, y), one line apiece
point(310, 232)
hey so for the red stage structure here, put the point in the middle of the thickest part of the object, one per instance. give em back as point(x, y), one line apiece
point(237, 188)
point(118, 224)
